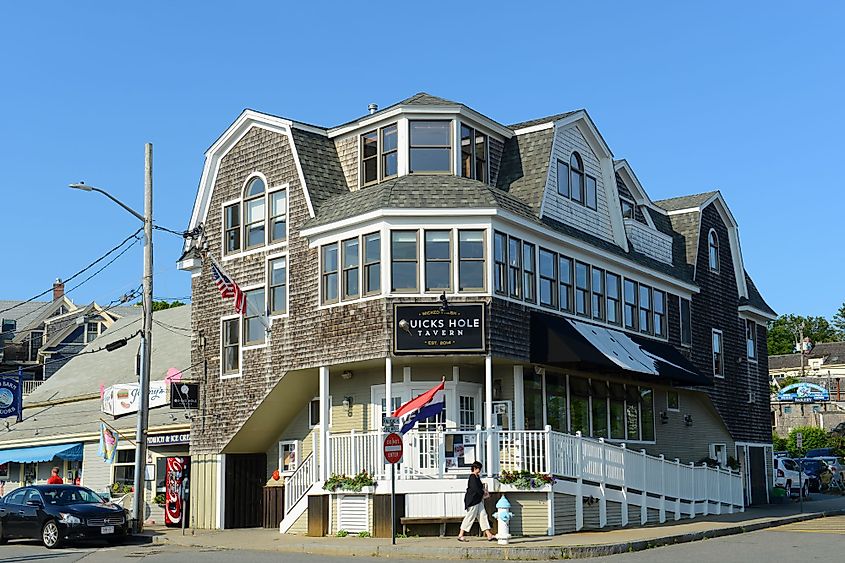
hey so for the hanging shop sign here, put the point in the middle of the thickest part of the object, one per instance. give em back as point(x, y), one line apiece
point(803, 393)
point(11, 397)
point(123, 399)
point(434, 329)
point(184, 395)
point(175, 439)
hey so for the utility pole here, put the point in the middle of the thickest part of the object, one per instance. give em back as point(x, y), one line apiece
point(146, 345)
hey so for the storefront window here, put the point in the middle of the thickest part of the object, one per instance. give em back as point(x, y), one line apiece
point(579, 408)
point(632, 413)
point(533, 393)
point(599, 408)
point(647, 413)
point(617, 411)
point(556, 401)
point(124, 467)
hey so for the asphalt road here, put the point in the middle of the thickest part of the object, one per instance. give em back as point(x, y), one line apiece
point(814, 540)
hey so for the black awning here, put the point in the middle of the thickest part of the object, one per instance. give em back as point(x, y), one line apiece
point(574, 344)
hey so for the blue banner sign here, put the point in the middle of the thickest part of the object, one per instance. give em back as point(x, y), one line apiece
point(803, 393)
point(11, 397)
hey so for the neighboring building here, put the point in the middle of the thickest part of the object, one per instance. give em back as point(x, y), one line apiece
point(62, 417)
point(570, 303)
point(824, 365)
point(39, 337)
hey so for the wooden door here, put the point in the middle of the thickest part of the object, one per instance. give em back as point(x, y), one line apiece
point(245, 479)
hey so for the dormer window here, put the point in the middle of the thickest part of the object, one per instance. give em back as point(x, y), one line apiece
point(430, 146)
point(627, 209)
point(473, 154)
point(575, 184)
point(379, 149)
point(713, 244)
point(254, 213)
point(576, 177)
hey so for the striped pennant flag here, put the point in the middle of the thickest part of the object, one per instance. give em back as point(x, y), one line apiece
point(431, 403)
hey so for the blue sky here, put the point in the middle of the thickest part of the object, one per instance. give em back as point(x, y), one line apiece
point(742, 97)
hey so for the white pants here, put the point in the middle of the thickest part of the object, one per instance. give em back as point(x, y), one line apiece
point(473, 512)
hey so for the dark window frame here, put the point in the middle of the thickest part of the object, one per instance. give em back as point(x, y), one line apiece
point(563, 167)
point(629, 306)
point(576, 170)
point(686, 323)
point(751, 340)
point(529, 272)
point(718, 354)
point(463, 260)
point(713, 254)
point(549, 279)
point(614, 302)
point(500, 263)
point(658, 317)
point(474, 158)
point(597, 299)
point(514, 268)
point(370, 264)
point(568, 285)
point(645, 311)
point(346, 271)
point(584, 291)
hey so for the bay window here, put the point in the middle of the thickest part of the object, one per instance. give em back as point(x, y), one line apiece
point(614, 301)
point(350, 262)
point(389, 151)
point(582, 289)
point(500, 263)
point(378, 157)
point(548, 278)
point(473, 154)
point(438, 260)
point(430, 146)
point(528, 269)
point(404, 261)
point(369, 157)
point(372, 263)
point(471, 269)
point(565, 286)
point(329, 264)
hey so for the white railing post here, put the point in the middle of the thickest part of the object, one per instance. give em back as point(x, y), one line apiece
point(478, 446)
point(662, 488)
point(579, 483)
point(353, 451)
point(706, 471)
point(440, 436)
point(644, 491)
point(624, 487)
point(547, 436)
point(718, 490)
point(694, 491)
point(603, 485)
point(731, 491)
point(678, 489)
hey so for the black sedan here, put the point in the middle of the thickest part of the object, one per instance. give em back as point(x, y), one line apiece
point(58, 513)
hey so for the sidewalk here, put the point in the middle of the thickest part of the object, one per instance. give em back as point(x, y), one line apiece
point(569, 546)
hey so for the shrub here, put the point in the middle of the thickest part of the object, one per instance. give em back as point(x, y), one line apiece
point(779, 443)
point(159, 499)
point(525, 479)
point(345, 483)
point(364, 534)
point(342, 533)
point(814, 438)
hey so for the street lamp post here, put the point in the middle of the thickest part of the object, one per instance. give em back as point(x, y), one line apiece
point(147, 332)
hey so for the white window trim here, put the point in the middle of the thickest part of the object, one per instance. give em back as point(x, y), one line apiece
point(296, 452)
point(751, 359)
point(718, 268)
point(266, 247)
point(712, 451)
point(280, 188)
point(308, 414)
point(113, 465)
point(270, 258)
point(721, 352)
point(668, 408)
point(240, 348)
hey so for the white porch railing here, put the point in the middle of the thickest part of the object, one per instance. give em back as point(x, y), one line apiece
point(431, 454)
point(298, 484)
point(30, 385)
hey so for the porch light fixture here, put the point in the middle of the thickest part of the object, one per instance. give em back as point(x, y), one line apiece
point(688, 419)
point(347, 403)
point(664, 417)
point(346, 375)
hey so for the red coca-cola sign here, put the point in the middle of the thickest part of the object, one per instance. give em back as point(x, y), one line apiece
point(175, 488)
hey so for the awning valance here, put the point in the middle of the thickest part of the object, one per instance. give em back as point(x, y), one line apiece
point(71, 452)
point(570, 343)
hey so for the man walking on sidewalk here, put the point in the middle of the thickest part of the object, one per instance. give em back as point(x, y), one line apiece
point(474, 504)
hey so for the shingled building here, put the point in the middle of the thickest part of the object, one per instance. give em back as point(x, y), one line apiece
point(582, 329)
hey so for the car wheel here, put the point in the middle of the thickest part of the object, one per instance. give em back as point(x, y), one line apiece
point(50, 535)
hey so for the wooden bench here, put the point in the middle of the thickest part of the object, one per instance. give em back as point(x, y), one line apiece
point(442, 520)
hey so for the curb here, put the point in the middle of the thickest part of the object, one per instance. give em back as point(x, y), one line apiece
point(518, 552)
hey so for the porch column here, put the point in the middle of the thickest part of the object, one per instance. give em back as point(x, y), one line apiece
point(488, 411)
point(518, 399)
point(324, 423)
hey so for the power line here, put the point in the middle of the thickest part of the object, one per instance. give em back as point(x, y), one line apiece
point(79, 273)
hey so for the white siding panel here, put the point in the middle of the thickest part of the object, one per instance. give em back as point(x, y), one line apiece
point(96, 474)
point(596, 222)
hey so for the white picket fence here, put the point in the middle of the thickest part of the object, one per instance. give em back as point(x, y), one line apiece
point(566, 456)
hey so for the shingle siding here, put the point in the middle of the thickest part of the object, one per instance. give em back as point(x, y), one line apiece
point(649, 241)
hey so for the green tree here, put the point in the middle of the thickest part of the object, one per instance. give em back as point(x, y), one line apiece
point(814, 437)
point(783, 331)
point(839, 321)
point(161, 305)
point(779, 443)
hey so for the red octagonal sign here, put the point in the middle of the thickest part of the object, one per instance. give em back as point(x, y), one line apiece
point(393, 448)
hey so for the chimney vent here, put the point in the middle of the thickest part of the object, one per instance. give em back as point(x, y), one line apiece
point(58, 289)
point(373, 108)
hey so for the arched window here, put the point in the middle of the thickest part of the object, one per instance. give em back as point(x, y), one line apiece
point(254, 213)
point(576, 177)
point(713, 243)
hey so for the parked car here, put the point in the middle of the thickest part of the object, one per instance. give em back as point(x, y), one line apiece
point(786, 475)
point(836, 464)
point(59, 513)
point(819, 452)
point(817, 472)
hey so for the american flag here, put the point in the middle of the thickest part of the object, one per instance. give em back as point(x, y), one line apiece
point(228, 288)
